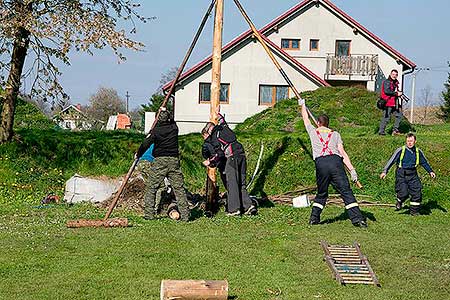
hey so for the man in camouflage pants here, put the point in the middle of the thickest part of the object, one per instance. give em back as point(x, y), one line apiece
point(145, 169)
point(166, 164)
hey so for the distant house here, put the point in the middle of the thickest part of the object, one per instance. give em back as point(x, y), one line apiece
point(119, 121)
point(73, 118)
point(317, 45)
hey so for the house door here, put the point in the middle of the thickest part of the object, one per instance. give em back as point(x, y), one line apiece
point(343, 59)
point(342, 48)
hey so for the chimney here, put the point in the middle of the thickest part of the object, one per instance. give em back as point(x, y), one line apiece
point(79, 106)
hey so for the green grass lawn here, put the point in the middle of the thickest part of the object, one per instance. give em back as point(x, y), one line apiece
point(275, 255)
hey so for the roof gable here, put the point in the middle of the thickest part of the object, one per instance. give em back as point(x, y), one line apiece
point(277, 21)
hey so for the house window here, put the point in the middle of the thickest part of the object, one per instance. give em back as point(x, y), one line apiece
point(205, 92)
point(313, 45)
point(343, 48)
point(290, 44)
point(271, 94)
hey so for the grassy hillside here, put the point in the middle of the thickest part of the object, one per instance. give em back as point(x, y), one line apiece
point(274, 256)
point(44, 159)
point(346, 107)
point(29, 116)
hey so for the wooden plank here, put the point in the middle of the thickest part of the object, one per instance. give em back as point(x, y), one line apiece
point(194, 289)
point(365, 272)
point(353, 270)
point(358, 282)
point(356, 275)
point(344, 252)
point(355, 261)
point(350, 256)
point(363, 279)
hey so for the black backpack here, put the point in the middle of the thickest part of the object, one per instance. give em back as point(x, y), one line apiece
point(381, 103)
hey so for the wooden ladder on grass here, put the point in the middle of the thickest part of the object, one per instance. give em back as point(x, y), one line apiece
point(348, 264)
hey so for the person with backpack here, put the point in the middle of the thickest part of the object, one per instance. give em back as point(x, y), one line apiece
point(390, 104)
point(224, 143)
point(407, 182)
point(164, 136)
point(330, 160)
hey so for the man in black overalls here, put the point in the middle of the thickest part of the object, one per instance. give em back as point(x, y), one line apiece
point(407, 181)
point(330, 157)
point(225, 144)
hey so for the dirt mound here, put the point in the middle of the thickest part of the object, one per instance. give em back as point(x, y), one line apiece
point(132, 197)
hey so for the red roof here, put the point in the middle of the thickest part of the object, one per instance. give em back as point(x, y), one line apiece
point(280, 19)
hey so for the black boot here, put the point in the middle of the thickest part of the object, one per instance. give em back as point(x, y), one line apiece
point(361, 224)
point(313, 220)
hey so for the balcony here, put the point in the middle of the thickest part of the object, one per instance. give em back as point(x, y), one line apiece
point(353, 67)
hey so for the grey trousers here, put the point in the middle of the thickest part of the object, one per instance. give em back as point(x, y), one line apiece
point(388, 111)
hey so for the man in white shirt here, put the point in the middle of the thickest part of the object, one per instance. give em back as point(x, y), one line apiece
point(330, 157)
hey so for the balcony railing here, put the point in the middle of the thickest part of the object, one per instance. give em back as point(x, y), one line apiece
point(353, 65)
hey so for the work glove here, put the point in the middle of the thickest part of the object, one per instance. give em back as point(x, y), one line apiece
point(301, 101)
point(354, 175)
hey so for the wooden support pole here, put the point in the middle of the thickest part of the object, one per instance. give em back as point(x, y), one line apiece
point(194, 289)
point(211, 186)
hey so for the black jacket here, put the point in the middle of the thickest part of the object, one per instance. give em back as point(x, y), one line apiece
point(224, 138)
point(165, 138)
point(214, 153)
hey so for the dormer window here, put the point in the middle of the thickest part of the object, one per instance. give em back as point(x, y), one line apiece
point(290, 44)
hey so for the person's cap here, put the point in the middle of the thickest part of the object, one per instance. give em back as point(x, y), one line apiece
point(163, 116)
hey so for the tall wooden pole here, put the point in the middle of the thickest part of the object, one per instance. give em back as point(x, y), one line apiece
point(211, 188)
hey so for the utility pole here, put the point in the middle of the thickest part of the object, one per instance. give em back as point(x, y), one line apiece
point(211, 185)
point(128, 99)
point(413, 97)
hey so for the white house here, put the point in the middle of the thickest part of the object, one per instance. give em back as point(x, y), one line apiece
point(317, 45)
point(73, 118)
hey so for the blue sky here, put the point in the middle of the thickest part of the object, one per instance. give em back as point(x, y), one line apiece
point(415, 28)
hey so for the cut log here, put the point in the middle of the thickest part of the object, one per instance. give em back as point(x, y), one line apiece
point(194, 290)
point(172, 211)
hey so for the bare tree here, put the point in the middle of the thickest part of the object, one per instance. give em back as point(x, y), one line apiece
point(46, 31)
point(137, 116)
point(426, 101)
point(166, 77)
point(104, 103)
